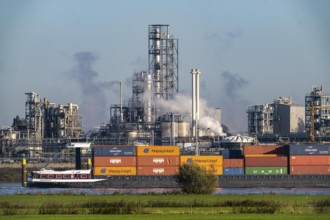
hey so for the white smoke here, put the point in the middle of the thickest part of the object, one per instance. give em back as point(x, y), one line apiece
point(181, 104)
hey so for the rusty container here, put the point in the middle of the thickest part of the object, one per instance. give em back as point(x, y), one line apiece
point(281, 161)
point(233, 163)
point(158, 151)
point(266, 149)
point(158, 161)
point(114, 171)
point(310, 170)
point(129, 161)
point(313, 160)
point(157, 170)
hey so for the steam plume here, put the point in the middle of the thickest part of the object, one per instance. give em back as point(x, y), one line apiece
point(181, 104)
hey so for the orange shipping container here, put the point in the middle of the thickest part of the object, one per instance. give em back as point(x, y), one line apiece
point(316, 170)
point(261, 155)
point(232, 163)
point(157, 170)
point(319, 160)
point(266, 149)
point(266, 161)
point(129, 161)
point(158, 150)
point(202, 160)
point(158, 160)
point(114, 171)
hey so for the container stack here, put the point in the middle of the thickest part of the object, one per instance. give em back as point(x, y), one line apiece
point(114, 160)
point(310, 159)
point(266, 160)
point(233, 162)
point(158, 160)
point(210, 163)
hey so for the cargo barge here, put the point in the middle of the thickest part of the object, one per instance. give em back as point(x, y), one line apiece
point(274, 166)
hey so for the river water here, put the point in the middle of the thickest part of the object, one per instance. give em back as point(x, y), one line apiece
point(16, 188)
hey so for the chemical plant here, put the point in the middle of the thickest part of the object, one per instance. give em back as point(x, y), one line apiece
point(148, 117)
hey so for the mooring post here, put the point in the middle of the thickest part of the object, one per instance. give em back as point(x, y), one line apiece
point(24, 172)
point(89, 163)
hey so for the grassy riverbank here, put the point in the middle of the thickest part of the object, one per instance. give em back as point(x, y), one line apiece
point(125, 206)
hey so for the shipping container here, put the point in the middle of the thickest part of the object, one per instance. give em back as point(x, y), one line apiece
point(113, 150)
point(232, 163)
point(202, 160)
point(312, 170)
point(233, 171)
point(157, 170)
point(266, 161)
point(261, 155)
point(158, 160)
point(229, 154)
point(266, 170)
point(114, 171)
point(216, 170)
point(124, 161)
point(303, 160)
point(158, 151)
point(266, 149)
point(310, 149)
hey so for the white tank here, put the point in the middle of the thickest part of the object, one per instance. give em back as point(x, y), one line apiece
point(183, 129)
point(167, 129)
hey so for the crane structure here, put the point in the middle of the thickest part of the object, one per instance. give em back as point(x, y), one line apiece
point(312, 114)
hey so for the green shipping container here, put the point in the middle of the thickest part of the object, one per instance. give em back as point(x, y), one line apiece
point(266, 170)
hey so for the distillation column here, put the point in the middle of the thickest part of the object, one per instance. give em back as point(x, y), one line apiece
point(163, 65)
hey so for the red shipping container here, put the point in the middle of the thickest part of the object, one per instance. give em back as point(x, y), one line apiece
point(158, 161)
point(157, 170)
point(266, 149)
point(319, 160)
point(233, 163)
point(124, 161)
point(316, 170)
point(266, 161)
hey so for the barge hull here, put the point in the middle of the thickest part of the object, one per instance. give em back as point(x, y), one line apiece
point(224, 181)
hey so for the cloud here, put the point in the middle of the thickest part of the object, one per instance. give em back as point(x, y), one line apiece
point(224, 40)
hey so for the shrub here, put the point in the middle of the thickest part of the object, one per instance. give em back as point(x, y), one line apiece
point(194, 179)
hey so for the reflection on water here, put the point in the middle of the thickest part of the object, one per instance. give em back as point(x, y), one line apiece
point(16, 188)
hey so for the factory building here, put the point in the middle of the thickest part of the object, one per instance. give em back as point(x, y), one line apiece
point(288, 117)
point(48, 120)
point(260, 119)
point(317, 105)
point(282, 117)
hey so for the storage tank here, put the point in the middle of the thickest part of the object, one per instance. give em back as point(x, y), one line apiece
point(169, 128)
point(183, 129)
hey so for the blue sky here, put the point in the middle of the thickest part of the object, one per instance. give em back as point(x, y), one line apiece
point(249, 52)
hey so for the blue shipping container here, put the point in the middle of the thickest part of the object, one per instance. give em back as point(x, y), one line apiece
point(309, 149)
point(113, 150)
point(231, 154)
point(233, 171)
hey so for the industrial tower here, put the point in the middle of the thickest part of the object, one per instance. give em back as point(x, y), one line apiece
point(163, 64)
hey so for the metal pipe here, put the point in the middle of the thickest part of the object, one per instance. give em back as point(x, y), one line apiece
point(193, 111)
point(197, 108)
point(121, 103)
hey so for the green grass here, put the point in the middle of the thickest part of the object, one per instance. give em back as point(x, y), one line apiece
point(170, 217)
point(155, 206)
